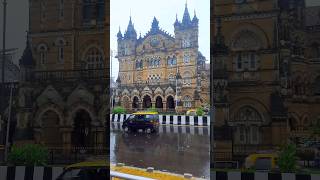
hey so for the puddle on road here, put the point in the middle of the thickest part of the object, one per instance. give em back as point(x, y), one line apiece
point(178, 153)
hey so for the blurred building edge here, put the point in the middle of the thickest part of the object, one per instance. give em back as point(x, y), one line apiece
point(12, 72)
point(62, 100)
point(162, 71)
point(265, 81)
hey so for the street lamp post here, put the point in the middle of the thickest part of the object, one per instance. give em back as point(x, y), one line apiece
point(4, 2)
point(8, 125)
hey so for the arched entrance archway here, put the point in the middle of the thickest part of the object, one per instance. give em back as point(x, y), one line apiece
point(170, 102)
point(81, 134)
point(147, 102)
point(159, 103)
point(135, 103)
point(125, 102)
point(51, 135)
point(248, 122)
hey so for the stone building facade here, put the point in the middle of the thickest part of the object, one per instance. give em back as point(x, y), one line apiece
point(63, 92)
point(162, 71)
point(265, 79)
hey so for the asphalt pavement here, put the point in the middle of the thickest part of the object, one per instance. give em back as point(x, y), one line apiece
point(176, 149)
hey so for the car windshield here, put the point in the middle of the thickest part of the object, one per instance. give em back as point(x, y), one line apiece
point(85, 174)
point(263, 164)
point(131, 117)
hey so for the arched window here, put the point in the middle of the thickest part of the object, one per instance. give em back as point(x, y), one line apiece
point(171, 79)
point(87, 10)
point(187, 78)
point(100, 10)
point(60, 44)
point(94, 59)
point(186, 58)
point(248, 122)
point(246, 43)
point(42, 50)
point(61, 9)
point(317, 86)
point(172, 60)
point(187, 101)
point(315, 50)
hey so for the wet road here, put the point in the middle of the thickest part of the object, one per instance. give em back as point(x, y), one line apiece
point(177, 149)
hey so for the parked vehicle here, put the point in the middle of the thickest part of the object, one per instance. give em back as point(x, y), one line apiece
point(262, 161)
point(146, 121)
point(97, 170)
point(191, 112)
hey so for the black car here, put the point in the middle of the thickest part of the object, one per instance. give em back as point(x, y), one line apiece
point(148, 122)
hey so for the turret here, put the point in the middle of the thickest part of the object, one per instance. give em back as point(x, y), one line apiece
point(119, 35)
point(195, 20)
point(155, 25)
point(128, 43)
point(26, 62)
point(186, 21)
point(186, 32)
point(130, 32)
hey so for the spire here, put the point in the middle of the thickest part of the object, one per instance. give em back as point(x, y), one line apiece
point(186, 17)
point(176, 23)
point(27, 58)
point(130, 32)
point(155, 25)
point(195, 20)
point(219, 44)
point(119, 35)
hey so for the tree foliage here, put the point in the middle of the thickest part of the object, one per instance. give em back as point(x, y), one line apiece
point(288, 158)
point(119, 110)
point(28, 155)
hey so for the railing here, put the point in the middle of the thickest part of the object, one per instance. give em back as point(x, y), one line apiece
point(61, 155)
point(66, 75)
point(114, 174)
point(160, 110)
point(245, 149)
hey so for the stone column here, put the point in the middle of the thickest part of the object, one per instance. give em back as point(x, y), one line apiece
point(101, 138)
point(66, 140)
point(37, 135)
point(164, 104)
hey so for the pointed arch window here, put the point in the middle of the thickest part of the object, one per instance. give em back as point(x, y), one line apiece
point(94, 59)
point(187, 78)
point(187, 101)
point(61, 9)
point(100, 10)
point(42, 50)
point(248, 121)
point(61, 54)
point(186, 58)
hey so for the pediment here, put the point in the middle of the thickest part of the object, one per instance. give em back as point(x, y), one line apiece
point(169, 90)
point(158, 91)
point(80, 93)
point(125, 92)
point(50, 95)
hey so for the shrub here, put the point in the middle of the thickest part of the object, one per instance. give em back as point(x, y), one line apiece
point(28, 155)
point(200, 111)
point(288, 158)
point(119, 110)
point(153, 109)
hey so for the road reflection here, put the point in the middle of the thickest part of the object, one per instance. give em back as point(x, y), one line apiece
point(171, 151)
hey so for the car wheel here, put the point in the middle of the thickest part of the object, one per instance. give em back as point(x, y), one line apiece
point(126, 129)
point(149, 130)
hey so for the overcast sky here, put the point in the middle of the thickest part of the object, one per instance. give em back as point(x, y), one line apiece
point(164, 10)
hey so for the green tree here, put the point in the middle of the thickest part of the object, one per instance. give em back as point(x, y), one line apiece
point(200, 111)
point(288, 158)
point(28, 155)
point(119, 110)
